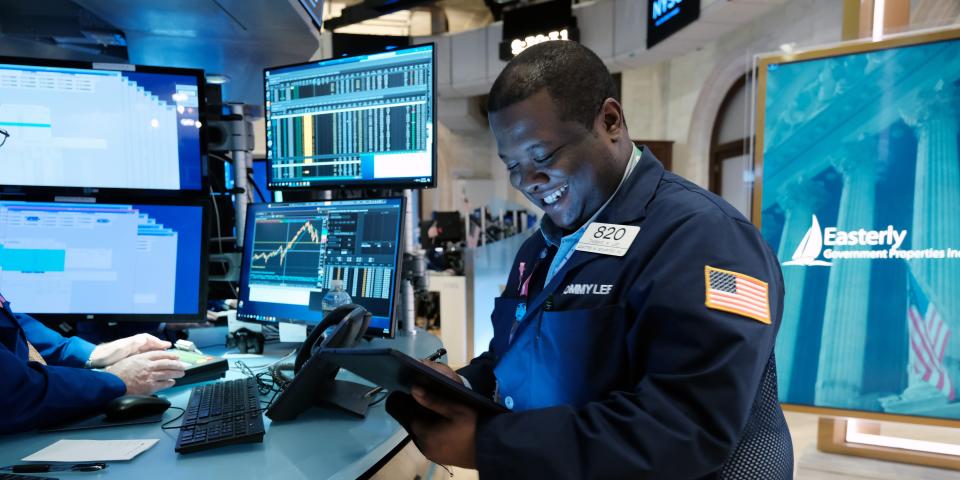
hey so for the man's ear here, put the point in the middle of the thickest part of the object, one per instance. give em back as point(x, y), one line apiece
point(610, 120)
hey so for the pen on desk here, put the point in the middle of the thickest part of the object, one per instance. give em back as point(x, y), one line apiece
point(433, 357)
point(436, 355)
point(50, 467)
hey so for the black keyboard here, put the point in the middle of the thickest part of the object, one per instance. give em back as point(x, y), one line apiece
point(219, 414)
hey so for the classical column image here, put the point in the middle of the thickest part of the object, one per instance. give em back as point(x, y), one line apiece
point(800, 199)
point(840, 376)
point(935, 335)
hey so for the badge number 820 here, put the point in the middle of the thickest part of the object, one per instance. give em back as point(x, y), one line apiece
point(615, 232)
point(608, 238)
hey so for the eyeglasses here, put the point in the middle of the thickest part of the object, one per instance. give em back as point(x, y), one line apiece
point(3, 136)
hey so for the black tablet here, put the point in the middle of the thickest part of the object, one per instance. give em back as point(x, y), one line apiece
point(398, 372)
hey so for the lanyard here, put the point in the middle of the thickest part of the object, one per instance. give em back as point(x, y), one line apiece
point(524, 291)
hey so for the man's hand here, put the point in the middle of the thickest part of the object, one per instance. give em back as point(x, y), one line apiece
point(444, 369)
point(110, 353)
point(146, 373)
point(450, 440)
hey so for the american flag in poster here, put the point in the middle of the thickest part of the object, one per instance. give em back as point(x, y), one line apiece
point(928, 339)
point(737, 293)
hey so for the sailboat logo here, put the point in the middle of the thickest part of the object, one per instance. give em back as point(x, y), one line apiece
point(810, 248)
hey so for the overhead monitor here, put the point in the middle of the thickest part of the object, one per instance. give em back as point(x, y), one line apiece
point(69, 261)
point(292, 251)
point(858, 146)
point(73, 125)
point(314, 9)
point(364, 121)
point(526, 25)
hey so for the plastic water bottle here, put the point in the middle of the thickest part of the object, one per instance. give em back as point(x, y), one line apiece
point(335, 297)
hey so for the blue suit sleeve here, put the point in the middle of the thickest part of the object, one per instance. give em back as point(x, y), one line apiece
point(480, 374)
point(55, 349)
point(36, 395)
point(699, 371)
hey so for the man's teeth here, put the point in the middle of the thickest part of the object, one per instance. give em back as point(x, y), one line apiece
point(553, 197)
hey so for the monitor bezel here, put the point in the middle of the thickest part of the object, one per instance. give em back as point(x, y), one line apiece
point(120, 192)
point(403, 183)
point(243, 287)
point(762, 62)
point(199, 316)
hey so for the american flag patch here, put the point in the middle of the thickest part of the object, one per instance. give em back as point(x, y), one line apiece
point(737, 293)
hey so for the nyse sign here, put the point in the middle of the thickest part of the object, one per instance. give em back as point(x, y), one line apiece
point(663, 10)
point(666, 17)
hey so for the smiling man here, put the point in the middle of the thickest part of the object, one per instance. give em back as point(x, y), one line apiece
point(635, 335)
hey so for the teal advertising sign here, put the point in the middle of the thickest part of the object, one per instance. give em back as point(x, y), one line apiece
point(861, 201)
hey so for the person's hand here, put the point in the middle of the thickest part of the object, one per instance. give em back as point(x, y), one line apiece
point(107, 354)
point(445, 370)
point(149, 372)
point(450, 440)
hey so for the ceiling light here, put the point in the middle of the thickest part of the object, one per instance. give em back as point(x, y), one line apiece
point(217, 78)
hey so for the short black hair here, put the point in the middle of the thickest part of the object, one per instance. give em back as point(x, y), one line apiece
point(575, 78)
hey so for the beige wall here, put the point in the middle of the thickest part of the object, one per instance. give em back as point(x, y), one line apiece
point(678, 99)
point(660, 101)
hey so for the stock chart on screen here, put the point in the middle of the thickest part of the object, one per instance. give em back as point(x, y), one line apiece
point(295, 251)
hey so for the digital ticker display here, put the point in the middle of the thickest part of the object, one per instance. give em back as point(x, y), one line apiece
point(366, 120)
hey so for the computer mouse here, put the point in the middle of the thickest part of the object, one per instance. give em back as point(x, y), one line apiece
point(130, 407)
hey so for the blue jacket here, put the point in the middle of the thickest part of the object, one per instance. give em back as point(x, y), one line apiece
point(618, 368)
point(35, 395)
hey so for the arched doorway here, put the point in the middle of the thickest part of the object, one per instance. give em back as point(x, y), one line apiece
point(731, 167)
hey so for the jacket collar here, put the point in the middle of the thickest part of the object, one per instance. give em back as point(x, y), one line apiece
point(629, 203)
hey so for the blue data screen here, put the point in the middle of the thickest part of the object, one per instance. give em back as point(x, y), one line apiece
point(72, 127)
point(293, 251)
point(364, 120)
point(75, 258)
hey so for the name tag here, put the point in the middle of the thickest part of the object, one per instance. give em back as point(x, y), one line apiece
point(608, 239)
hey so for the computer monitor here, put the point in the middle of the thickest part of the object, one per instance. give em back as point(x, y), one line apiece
point(365, 121)
point(80, 261)
point(292, 251)
point(73, 125)
point(314, 9)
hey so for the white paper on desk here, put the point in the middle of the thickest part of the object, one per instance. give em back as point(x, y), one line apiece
point(293, 332)
point(91, 451)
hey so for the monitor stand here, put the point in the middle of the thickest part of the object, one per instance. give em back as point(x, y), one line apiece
point(348, 396)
